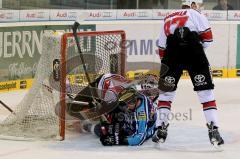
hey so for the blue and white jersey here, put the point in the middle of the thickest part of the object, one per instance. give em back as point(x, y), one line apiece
point(142, 125)
point(139, 124)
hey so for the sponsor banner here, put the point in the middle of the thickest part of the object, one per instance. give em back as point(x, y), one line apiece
point(222, 73)
point(217, 73)
point(128, 14)
point(134, 14)
point(34, 15)
point(102, 15)
point(23, 84)
point(6, 86)
point(238, 73)
point(9, 15)
point(233, 73)
point(142, 43)
point(15, 85)
point(215, 14)
point(132, 75)
point(138, 73)
point(56, 70)
point(21, 48)
point(161, 13)
point(64, 14)
point(80, 79)
point(234, 15)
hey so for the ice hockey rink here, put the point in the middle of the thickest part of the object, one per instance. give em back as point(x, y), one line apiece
point(186, 139)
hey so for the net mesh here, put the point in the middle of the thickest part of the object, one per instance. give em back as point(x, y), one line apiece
point(37, 116)
point(102, 54)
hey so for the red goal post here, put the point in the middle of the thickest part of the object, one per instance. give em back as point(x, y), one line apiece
point(65, 37)
point(41, 114)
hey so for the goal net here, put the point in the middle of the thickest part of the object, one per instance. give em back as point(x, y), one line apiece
point(41, 114)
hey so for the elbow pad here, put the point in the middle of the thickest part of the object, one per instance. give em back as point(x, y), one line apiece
point(161, 53)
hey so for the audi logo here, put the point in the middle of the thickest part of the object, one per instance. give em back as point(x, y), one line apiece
point(142, 14)
point(107, 14)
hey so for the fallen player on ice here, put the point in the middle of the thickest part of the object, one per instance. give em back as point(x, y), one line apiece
point(131, 122)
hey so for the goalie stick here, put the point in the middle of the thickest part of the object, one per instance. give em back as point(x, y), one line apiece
point(99, 105)
point(74, 28)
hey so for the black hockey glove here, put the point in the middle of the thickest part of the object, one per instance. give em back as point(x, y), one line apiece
point(111, 134)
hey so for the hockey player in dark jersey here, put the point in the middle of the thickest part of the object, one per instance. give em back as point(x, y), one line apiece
point(131, 122)
point(183, 38)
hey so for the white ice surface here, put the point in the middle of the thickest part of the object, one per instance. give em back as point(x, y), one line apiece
point(186, 139)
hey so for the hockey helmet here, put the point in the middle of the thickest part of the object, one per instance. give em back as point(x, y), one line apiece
point(187, 2)
point(191, 2)
point(128, 96)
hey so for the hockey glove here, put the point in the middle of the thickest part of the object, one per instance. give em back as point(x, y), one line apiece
point(110, 135)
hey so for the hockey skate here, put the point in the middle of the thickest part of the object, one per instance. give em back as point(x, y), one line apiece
point(160, 134)
point(214, 135)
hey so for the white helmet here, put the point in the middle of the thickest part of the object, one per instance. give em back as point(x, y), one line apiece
point(189, 2)
point(199, 3)
point(186, 2)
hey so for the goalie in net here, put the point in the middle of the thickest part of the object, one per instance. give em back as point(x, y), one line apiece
point(37, 116)
point(131, 122)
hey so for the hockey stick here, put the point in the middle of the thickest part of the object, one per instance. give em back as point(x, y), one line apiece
point(74, 28)
point(7, 107)
point(78, 102)
point(99, 107)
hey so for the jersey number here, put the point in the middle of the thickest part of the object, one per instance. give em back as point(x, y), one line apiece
point(178, 21)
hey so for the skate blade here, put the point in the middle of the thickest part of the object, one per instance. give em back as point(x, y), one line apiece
point(216, 146)
point(161, 141)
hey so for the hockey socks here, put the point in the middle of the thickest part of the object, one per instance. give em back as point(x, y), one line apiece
point(163, 111)
point(210, 112)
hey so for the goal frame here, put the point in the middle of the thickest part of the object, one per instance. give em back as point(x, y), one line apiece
point(63, 68)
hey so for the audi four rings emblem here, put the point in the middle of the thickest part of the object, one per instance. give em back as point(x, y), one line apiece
point(170, 79)
point(199, 78)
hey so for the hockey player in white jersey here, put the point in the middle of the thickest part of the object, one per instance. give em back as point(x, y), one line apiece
point(183, 38)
